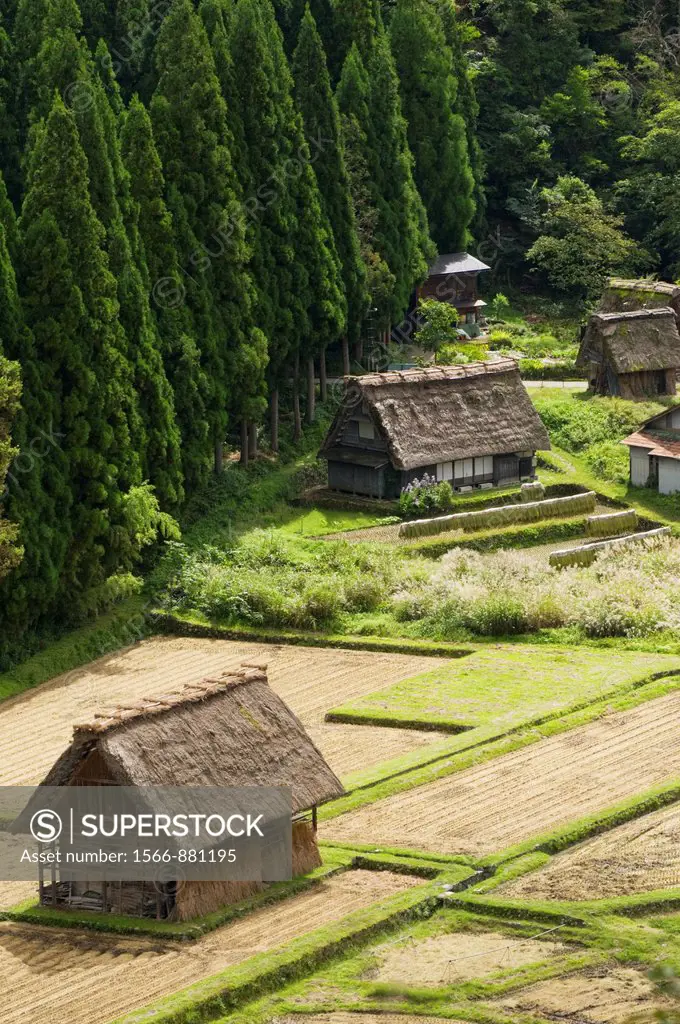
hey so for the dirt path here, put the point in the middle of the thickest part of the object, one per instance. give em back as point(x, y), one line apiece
point(65, 977)
point(551, 782)
point(36, 726)
point(636, 857)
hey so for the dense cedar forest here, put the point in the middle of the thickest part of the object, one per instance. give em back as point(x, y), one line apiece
point(198, 202)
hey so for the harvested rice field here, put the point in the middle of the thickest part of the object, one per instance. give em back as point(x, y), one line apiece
point(595, 996)
point(36, 726)
point(459, 956)
point(89, 978)
point(554, 781)
point(640, 856)
point(12, 893)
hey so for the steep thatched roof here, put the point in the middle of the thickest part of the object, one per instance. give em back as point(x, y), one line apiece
point(624, 296)
point(645, 339)
point(444, 413)
point(229, 731)
point(456, 263)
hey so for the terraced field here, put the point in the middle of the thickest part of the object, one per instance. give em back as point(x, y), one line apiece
point(81, 978)
point(598, 996)
point(639, 856)
point(552, 782)
point(37, 726)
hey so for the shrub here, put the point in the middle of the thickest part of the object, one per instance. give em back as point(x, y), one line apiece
point(536, 369)
point(426, 495)
point(461, 353)
point(608, 460)
point(578, 422)
point(499, 339)
point(499, 306)
point(497, 615)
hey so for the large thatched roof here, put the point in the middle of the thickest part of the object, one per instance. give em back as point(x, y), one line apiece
point(644, 339)
point(625, 296)
point(444, 413)
point(229, 731)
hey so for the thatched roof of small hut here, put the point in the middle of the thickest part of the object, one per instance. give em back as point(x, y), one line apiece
point(645, 339)
point(228, 731)
point(443, 413)
point(624, 296)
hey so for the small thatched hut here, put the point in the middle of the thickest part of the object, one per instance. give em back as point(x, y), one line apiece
point(633, 354)
point(473, 425)
point(231, 731)
point(624, 296)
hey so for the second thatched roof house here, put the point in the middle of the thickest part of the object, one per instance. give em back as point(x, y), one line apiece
point(231, 731)
point(473, 425)
point(633, 354)
point(625, 296)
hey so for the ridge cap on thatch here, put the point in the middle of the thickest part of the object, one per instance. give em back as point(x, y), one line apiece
point(434, 374)
point(443, 413)
point(230, 731)
point(642, 284)
point(146, 707)
point(635, 314)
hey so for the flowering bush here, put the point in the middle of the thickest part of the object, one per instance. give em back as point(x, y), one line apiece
point(426, 496)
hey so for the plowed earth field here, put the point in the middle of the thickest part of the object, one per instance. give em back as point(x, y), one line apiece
point(65, 977)
point(36, 726)
point(639, 856)
point(530, 791)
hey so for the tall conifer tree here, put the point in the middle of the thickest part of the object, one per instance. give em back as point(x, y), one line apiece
point(37, 491)
point(295, 262)
point(70, 302)
point(436, 133)
point(190, 125)
point(317, 103)
point(180, 354)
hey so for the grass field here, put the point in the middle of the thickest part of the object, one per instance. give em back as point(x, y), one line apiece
point(504, 686)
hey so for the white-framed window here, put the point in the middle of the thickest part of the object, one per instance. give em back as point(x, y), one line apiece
point(444, 471)
point(463, 469)
point(366, 430)
point(484, 466)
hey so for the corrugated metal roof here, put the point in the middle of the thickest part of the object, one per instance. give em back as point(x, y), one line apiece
point(456, 263)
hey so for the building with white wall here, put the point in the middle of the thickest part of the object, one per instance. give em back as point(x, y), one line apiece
point(655, 453)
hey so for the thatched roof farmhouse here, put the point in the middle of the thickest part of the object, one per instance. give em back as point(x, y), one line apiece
point(473, 425)
point(229, 731)
point(625, 296)
point(632, 354)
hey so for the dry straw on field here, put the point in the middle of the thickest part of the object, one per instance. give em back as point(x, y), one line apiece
point(587, 553)
point(503, 515)
point(612, 524)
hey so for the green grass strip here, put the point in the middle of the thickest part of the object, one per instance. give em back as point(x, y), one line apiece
point(214, 997)
point(30, 912)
